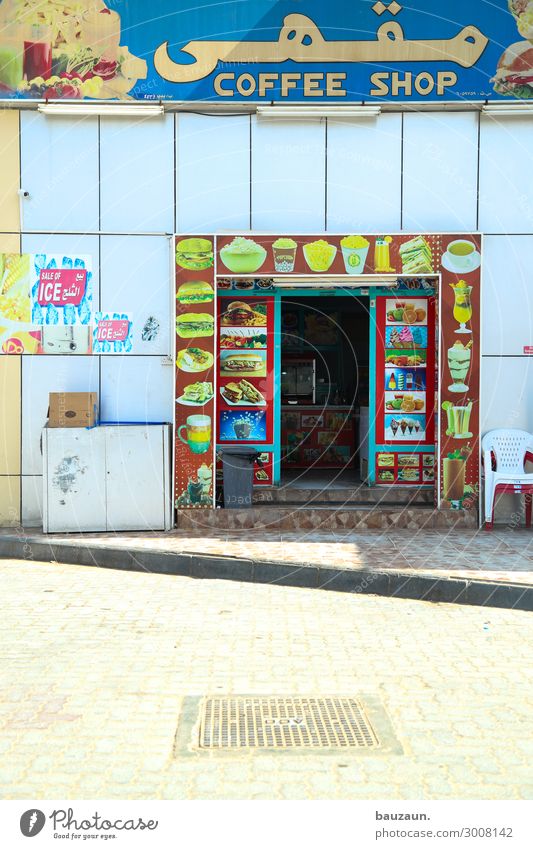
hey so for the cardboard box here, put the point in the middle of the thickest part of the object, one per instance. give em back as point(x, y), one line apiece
point(73, 409)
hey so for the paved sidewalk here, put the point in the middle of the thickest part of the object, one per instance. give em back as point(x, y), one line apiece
point(96, 663)
point(504, 555)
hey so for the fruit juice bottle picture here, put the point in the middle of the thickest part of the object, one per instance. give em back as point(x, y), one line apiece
point(392, 381)
point(38, 52)
point(453, 479)
point(382, 254)
point(409, 380)
point(462, 307)
point(11, 56)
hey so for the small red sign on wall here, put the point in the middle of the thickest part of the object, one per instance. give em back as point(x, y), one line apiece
point(61, 286)
point(112, 330)
point(528, 350)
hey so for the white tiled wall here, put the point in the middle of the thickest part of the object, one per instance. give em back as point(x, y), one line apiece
point(198, 173)
point(137, 163)
point(364, 184)
point(60, 169)
point(288, 175)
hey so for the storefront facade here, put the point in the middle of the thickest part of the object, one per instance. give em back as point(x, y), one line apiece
point(108, 194)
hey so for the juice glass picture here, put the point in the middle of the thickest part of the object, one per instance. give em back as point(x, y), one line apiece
point(11, 57)
point(198, 433)
point(38, 52)
point(458, 420)
point(382, 254)
point(453, 479)
point(462, 308)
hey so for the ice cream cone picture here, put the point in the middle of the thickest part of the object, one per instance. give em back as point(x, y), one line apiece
point(462, 308)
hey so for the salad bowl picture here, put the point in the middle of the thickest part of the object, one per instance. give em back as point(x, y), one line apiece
point(243, 256)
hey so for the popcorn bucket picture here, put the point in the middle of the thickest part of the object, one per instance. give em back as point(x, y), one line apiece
point(355, 259)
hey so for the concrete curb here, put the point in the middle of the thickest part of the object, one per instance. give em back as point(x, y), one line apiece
point(192, 565)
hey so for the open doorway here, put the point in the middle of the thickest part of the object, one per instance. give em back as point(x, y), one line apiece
point(325, 341)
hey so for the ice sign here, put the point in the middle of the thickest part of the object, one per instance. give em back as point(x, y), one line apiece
point(112, 330)
point(59, 287)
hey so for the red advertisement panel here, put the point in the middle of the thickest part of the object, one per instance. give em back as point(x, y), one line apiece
point(405, 369)
point(195, 372)
point(459, 370)
point(245, 363)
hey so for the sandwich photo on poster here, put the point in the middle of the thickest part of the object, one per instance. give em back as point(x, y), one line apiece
point(243, 314)
point(244, 393)
point(244, 363)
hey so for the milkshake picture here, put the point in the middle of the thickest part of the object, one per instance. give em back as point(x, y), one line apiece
point(459, 357)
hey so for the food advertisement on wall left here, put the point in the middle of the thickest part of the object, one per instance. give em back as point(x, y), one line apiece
point(195, 372)
point(46, 304)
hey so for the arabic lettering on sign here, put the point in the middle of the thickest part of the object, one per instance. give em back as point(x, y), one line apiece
point(112, 330)
point(61, 286)
point(342, 51)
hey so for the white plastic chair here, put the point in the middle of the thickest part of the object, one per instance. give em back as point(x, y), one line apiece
point(509, 448)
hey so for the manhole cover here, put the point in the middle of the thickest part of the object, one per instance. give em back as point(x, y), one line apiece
point(237, 722)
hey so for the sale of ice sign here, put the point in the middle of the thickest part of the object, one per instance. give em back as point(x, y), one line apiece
point(61, 286)
point(112, 333)
point(61, 290)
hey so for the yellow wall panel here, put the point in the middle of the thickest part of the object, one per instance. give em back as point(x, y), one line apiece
point(9, 169)
point(9, 243)
point(10, 415)
point(9, 501)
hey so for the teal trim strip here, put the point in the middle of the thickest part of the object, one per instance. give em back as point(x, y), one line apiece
point(372, 393)
point(276, 470)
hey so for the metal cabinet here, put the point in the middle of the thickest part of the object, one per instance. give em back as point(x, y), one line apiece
point(108, 478)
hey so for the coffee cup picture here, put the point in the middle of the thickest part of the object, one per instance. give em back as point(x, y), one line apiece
point(198, 430)
point(461, 255)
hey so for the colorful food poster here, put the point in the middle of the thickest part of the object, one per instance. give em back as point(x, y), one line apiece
point(263, 257)
point(460, 318)
point(195, 374)
point(112, 333)
point(40, 292)
point(404, 370)
point(245, 400)
point(403, 468)
point(324, 440)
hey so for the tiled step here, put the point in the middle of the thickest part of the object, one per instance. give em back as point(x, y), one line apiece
point(354, 495)
point(327, 518)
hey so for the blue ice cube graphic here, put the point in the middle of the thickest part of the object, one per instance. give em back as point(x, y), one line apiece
point(117, 347)
point(80, 263)
point(52, 315)
point(66, 262)
point(70, 314)
point(84, 312)
point(39, 262)
point(52, 263)
point(37, 315)
point(127, 345)
point(106, 347)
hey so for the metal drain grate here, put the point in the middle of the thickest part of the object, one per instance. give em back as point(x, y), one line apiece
point(238, 722)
